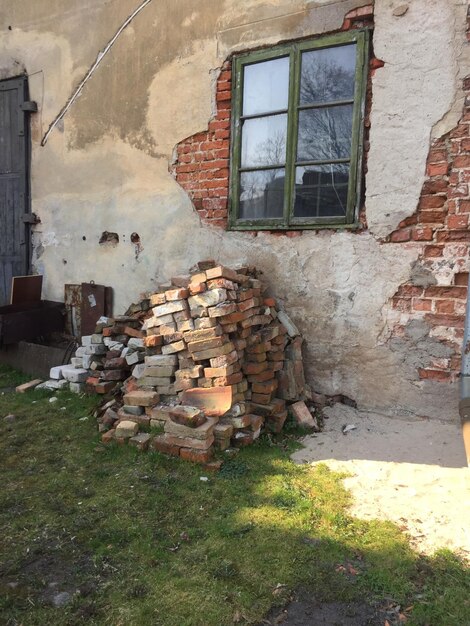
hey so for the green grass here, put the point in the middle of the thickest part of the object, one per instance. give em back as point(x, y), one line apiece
point(10, 378)
point(140, 539)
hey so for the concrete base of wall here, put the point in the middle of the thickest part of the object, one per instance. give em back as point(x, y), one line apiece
point(32, 358)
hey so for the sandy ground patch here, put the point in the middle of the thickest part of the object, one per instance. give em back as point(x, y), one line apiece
point(410, 471)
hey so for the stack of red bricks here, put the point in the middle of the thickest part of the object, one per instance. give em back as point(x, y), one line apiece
point(214, 328)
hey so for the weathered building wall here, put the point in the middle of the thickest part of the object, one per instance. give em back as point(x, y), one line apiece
point(106, 167)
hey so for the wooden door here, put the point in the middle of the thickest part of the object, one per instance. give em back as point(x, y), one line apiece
point(14, 183)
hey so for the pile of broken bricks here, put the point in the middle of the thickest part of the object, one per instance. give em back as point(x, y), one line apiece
point(213, 333)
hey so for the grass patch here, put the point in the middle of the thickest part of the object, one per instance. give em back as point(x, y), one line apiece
point(11, 378)
point(139, 539)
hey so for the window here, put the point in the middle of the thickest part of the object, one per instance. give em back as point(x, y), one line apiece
point(297, 134)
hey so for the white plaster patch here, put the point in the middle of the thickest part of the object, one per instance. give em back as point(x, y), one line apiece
point(411, 93)
point(49, 239)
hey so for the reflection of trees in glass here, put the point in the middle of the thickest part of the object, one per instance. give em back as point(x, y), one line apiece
point(325, 80)
point(262, 193)
point(273, 150)
point(325, 133)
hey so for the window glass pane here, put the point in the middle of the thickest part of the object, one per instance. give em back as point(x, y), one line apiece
point(328, 74)
point(325, 134)
point(264, 141)
point(321, 190)
point(262, 194)
point(266, 86)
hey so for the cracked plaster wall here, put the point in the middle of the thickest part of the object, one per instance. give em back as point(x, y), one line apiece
point(105, 167)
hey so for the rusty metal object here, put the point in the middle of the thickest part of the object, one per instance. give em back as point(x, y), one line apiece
point(92, 306)
point(85, 304)
point(214, 401)
point(25, 322)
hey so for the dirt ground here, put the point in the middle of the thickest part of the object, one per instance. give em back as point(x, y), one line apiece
point(305, 611)
point(409, 471)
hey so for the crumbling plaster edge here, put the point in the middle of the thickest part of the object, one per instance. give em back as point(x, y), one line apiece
point(462, 69)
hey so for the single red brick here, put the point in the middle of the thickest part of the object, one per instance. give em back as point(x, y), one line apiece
point(407, 291)
point(222, 153)
point(219, 125)
point(432, 217)
point(460, 131)
point(224, 85)
point(365, 11)
point(465, 144)
point(400, 236)
point(153, 341)
point(445, 291)
point(459, 191)
point(422, 234)
point(453, 235)
point(445, 306)
point(435, 185)
point(451, 321)
point(225, 75)
point(437, 156)
point(461, 279)
point(223, 95)
point(456, 222)
point(437, 169)
point(452, 207)
point(222, 134)
point(409, 221)
point(462, 161)
point(196, 456)
point(402, 304)
point(437, 375)
point(108, 436)
point(223, 115)
point(160, 445)
point(431, 202)
point(422, 304)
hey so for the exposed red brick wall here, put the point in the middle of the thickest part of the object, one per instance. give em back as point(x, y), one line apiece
point(202, 164)
point(440, 227)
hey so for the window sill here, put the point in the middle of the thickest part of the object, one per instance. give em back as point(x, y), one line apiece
point(293, 227)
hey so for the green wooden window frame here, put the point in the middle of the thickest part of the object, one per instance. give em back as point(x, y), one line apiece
point(294, 52)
